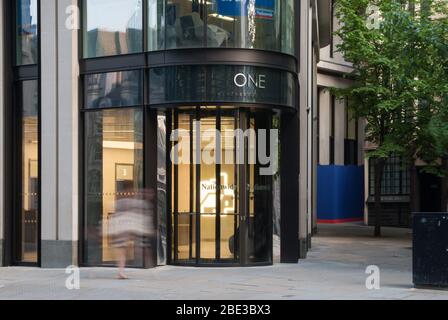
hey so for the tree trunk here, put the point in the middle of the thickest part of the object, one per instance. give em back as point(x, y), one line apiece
point(445, 184)
point(379, 169)
point(413, 187)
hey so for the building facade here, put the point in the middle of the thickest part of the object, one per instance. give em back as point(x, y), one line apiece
point(345, 179)
point(94, 95)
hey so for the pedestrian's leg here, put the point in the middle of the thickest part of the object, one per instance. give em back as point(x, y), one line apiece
point(122, 263)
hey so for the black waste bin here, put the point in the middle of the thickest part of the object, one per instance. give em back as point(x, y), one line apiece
point(430, 249)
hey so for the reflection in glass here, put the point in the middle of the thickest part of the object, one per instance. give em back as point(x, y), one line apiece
point(185, 203)
point(228, 215)
point(244, 24)
point(215, 221)
point(260, 197)
point(184, 24)
point(288, 27)
point(161, 188)
point(208, 187)
point(114, 89)
point(114, 165)
point(27, 32)
point(29, 215)
point(178, 84)
point(156, 29)
point(112, 27)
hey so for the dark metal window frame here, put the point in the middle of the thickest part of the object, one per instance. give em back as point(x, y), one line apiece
point(332, 18)
point(241, 207)
point(387, 185)
point(15, 75)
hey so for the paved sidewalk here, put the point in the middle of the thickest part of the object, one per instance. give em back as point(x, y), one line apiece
point(335, 269)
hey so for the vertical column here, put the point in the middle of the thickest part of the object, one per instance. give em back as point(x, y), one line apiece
point(2, 129)
point(150, 252)
point(315, 146)
point(339, 132)
point(324, 127)
point(59, 65)
point(289, 186)
point(49, 127)
point(305, 63)
point(68, 135)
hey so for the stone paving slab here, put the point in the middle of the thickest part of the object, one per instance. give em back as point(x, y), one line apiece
point(334, 269)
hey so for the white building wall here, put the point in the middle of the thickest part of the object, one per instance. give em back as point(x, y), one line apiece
point(305, 64)
point(315, 145)
point(49, 125)
point(324, 126)
point(339, 131)
point(60, 79)
point(2, 131)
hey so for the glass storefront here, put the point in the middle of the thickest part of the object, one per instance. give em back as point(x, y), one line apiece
point(217, 210)
point(26, 32)
point(113, 89)
point(114, 27)
point(114, 170)
point(27, 219)
point(208, 212)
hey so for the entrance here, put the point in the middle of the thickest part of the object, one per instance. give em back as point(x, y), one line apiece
point(221, 205)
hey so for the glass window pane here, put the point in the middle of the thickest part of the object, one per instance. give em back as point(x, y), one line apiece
point(244, 24)
point(229, 216)
point(161, 188)
point(208, 188)
point(288, 27)
point(260, 197)
point(28, 226)
point(114, 89)
point(114, 172)
point(27, 32)
point(156, 27)
point(184, 24)
point(112, 27)
point(351, 125)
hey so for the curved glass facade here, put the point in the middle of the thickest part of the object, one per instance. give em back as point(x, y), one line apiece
point(172, 24)
point(218, 210)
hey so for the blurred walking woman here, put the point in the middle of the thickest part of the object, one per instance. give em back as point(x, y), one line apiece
point(130, 225)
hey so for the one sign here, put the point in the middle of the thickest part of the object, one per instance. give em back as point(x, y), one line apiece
point(222, 84)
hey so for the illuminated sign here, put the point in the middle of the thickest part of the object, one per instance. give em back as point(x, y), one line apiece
point(243, 80)
point(208, 195)
point(223, 84)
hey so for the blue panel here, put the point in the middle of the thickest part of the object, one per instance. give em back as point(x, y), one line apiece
point(263, 8)
point(340, 193)
point(231, 7)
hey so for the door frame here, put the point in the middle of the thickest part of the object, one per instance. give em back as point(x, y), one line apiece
point(241, 175)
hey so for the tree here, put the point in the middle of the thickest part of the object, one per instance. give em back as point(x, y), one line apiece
point(396, 48)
